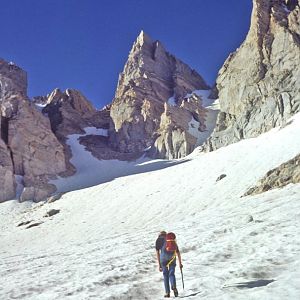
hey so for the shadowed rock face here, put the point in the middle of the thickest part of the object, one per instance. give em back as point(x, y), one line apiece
point(150, 77)
point(69, 113)
point(259, 84)
point(27, 145)
point(7, 181)
point(12, 80)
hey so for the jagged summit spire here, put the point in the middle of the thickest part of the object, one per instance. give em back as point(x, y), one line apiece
point(143, 38)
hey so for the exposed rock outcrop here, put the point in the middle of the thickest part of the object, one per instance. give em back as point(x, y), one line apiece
point(151, 78)
point(7, 180)
point(12, 79)
point(69, 113)
point(99, 147)
point(286, 173)
point(179, 128)
point(28, 146)
point(259, 84)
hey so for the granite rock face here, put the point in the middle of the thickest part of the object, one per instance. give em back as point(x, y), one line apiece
point(28, 147)
point(286, 173)
point(69, 113)
point(179, 128)
point(7, 180)
point(150, 78)
point(12, 79)
point(259, 84)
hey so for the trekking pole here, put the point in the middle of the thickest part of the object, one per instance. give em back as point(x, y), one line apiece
point(182, 278)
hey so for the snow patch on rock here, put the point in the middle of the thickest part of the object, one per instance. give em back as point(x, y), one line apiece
point(172, 101)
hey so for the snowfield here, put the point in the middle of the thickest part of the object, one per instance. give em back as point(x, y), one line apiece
point(101, 243)
point(90, 170)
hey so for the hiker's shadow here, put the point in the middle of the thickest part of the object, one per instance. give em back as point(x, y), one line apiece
point(251, 284)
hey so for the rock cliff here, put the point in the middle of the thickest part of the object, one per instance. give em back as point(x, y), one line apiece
point(27, 147)
point(286, 173)
point(259, 84)
point(7, 180)
point(152, 81)
point(69, 113)
point(179, 128)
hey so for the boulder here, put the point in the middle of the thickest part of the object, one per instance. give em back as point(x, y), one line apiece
point(222, 176)
point(55, 197)
point(34, 225)
point(36, 194)
point(23, 223)
point(52, 212)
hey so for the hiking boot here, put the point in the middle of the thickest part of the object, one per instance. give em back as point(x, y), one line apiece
point(175, 291)
point(167, 295)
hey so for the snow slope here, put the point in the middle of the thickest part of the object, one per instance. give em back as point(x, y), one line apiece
point(101, 244)
point(91, 171)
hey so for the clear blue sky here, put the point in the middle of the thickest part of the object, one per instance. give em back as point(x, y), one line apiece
point(84, 44)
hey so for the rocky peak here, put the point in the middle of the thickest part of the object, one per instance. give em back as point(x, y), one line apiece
point(70, 97)
point(55, 96)
point(144, 46)
point(68, 111)
point(142, 39)
point(150, 77)
point(12, 79)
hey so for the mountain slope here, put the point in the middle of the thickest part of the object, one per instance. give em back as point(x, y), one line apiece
point(100, 245)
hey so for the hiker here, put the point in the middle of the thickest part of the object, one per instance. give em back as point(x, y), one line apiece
point(166, 251)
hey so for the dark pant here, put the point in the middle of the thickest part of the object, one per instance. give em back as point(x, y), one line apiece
point(169, 277)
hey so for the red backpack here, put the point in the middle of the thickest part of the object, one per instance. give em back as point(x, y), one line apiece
point(171, 245)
